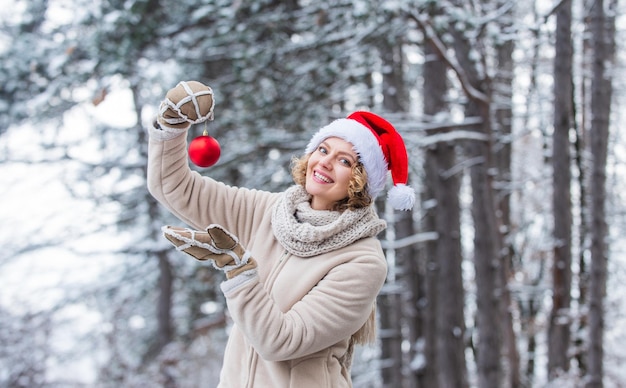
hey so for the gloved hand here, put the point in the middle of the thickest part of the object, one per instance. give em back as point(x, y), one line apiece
point(190, 102)
point(215, 244)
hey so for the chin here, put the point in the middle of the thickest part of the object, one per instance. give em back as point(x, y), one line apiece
point(310, 191)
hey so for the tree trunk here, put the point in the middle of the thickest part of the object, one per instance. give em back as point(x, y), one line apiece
point(389, 305)
point(165, 325)
point(426, 351)
point(560, 320)
point(503, 112)
point(408, 276)
point(603, 35)
point(165, 329)
point(394, 370)
point(487, 267)
point(443, 217)
point(450, 326)
point(487, 244)
point(580, 150)
point(529, 317)
point(390, 334)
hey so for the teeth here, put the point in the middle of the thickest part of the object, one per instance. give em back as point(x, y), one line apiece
point(319, 176)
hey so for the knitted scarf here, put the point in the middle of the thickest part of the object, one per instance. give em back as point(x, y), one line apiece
point(306, 232)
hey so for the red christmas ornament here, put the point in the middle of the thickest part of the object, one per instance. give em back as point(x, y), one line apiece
point(204, 151)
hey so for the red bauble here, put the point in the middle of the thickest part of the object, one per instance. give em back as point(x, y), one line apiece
point(204, 151)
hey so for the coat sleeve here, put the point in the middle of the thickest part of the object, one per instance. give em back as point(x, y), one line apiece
point(199, 200)
point(331, 311)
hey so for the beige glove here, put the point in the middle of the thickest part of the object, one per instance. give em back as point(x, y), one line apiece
point(190, 102)
point(215, 244)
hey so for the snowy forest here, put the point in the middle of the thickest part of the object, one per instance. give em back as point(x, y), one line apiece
point(509, 272)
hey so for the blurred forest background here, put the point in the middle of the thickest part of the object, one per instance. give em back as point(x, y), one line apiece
point(509, 273)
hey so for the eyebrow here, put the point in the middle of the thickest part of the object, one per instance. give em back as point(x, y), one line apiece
point(345, 153)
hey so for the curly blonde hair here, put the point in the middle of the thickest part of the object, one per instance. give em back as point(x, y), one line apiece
point(357, 198)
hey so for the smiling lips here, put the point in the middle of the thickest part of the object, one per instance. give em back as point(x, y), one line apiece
point(322, 177)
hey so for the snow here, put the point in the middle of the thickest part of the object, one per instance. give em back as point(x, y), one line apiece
point(59, 232)
point(59, 242)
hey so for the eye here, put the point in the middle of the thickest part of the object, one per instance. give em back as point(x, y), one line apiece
point(322, 149)
point(345, 162)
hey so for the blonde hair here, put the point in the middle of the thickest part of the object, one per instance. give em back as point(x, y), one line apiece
point(358, 196)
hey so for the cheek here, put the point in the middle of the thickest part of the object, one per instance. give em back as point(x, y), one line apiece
point(309, 170)
point(346, 177)
point(310, 163)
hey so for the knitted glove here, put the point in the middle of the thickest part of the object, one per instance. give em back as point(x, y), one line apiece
point(190, 102)
point(215, 244)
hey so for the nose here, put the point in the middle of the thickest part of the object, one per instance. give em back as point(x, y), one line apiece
point(326, 162)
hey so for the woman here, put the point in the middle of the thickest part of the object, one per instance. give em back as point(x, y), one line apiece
point(303, 267)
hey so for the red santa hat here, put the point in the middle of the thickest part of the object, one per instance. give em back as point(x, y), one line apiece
point(380, 149)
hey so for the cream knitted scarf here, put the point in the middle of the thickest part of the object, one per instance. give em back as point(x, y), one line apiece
point(306, 232)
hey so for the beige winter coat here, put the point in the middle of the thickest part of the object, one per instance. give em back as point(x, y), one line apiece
point(292, 322)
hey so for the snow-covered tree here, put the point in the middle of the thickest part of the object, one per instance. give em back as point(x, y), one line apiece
point(470, 86)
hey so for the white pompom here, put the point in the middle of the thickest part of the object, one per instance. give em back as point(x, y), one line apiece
point(401, 197)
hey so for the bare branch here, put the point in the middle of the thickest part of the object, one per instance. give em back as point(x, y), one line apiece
point(432, 36)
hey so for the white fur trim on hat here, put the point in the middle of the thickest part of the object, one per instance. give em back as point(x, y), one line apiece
point(401, 197)
point(365, 145)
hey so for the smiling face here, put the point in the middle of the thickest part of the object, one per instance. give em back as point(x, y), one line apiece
point(329, 171)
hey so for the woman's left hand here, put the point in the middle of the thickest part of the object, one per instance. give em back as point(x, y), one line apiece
point(215, 244)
